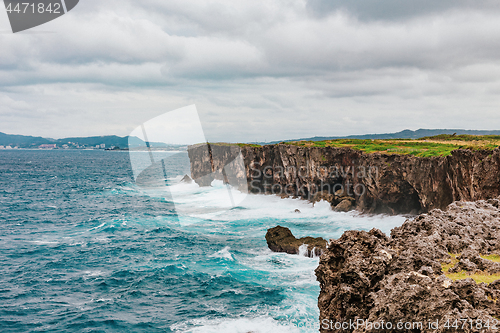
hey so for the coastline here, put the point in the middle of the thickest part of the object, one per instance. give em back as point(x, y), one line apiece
point(424, 271)
point(380, 183)
point(434, 270)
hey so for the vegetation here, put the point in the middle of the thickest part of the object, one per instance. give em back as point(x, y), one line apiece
point(463, 137)
point(478, 276)
point(440, 145)
point(248, 145)
point(492, 257)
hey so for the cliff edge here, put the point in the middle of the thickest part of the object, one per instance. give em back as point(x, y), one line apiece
point(351, 179)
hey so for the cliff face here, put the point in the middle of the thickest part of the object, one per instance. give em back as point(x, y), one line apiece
point(372, 183)
point(367, 277)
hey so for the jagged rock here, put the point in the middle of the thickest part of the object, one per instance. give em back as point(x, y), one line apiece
point(371, 277)
point(464, 265)
point(281, 239)
point(186, 179)
point(296, 211)
point(471, 261)
point(322, 195)
point(344, 206)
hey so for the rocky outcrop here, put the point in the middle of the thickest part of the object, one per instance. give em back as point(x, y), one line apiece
point(373, 183)
point(186, 179)
point(281, 239)
point(368, 278)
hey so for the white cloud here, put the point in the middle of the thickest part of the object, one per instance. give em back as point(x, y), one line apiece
point(256, 69)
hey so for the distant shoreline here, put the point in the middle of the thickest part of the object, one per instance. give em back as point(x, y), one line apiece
point(86, 149)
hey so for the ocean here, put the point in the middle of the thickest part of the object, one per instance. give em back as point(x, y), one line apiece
point(83, 248)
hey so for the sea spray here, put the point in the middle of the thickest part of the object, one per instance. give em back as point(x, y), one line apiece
point(303, 251)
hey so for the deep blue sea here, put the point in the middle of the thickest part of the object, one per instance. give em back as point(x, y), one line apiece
point(85, 249)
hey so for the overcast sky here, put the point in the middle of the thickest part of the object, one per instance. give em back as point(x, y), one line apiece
point(256, 70)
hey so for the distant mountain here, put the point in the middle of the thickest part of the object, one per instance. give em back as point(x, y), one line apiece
point(406, 134)
point(23, 141)
point(92, 141)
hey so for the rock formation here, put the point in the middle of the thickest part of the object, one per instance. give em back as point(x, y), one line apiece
point(281, 239)
point(186, 179)
point(371, 183)
point(367, 278)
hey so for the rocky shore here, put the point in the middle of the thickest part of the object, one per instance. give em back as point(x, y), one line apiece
point(368, 277)
point(438, 272)
point(350, 179)
point(280, 239)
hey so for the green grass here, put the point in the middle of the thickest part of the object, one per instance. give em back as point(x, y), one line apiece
point(445, 267)
point(248, 145)
point(462, 137)
point(441, 145)
point(492, 257)
point(478, 277)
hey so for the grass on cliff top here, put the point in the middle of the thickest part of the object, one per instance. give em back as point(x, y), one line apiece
point(462, 137)
point(478, 277)
point(440, 145)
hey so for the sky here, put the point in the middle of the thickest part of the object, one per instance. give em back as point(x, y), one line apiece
point(256, 70)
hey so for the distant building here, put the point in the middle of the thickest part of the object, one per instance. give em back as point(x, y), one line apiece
point(103, 145)
point(48, 146)
point(65, 146)
point(8, 147)
point(2, 147)
point(97, 146)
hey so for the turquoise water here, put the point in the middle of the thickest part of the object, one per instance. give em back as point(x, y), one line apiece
point(84, 249)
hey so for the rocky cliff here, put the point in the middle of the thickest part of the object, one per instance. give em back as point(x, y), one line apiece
point(370, 281)
point(350, 179)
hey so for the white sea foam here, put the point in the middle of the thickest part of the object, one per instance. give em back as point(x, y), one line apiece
point(206, 210)
point(44, 242)
point(224, 253)
point(98, 227)
point(314, 252)
point(195, 204)
point(264, 324)
point(100, 300)
point(93, 273)
point(303, 252)
point(101, 239)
